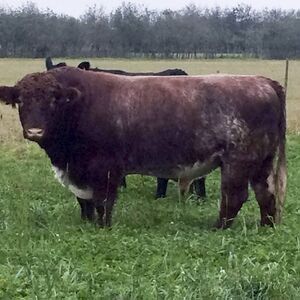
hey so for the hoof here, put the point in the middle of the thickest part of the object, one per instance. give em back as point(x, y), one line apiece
point(223, 223)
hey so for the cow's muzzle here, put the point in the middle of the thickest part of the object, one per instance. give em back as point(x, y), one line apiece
point(34, 133)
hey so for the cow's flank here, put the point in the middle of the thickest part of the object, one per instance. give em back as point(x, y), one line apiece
point(98, 127)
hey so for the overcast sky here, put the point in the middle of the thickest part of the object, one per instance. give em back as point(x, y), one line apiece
point(78, 7)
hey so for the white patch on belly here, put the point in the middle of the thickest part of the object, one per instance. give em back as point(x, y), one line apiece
point(63, 178)
point(199, 169)
point(196, 170)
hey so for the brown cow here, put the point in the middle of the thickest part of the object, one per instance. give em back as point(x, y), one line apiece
point(98, 127)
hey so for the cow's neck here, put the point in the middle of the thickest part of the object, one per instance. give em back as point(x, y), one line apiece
point(60, 143)
point(57, 149)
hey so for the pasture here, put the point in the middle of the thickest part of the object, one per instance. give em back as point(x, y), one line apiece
point(156, 249)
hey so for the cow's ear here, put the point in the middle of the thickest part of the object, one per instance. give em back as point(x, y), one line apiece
point(71, 94)
point(66, 95)
point(9, 95)
point(85, 65)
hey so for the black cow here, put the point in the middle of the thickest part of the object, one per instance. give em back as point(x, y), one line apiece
point(50, 65)
point(85, 65)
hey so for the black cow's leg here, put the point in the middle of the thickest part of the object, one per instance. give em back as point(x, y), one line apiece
point(234, 190)
point(87, 209)
point(199, 185)
point(263, 185)
point(162, 185)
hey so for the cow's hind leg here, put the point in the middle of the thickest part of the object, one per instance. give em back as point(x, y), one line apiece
point(234, 190)
point(87, 209)
point(263, 185)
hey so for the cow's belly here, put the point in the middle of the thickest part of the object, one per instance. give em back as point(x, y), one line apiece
point(64, 179)
point(198, 169)
point(188, 171)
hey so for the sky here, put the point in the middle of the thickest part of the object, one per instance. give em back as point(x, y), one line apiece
point(76, 8)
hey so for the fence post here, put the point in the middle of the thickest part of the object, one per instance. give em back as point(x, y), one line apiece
point(286, 76)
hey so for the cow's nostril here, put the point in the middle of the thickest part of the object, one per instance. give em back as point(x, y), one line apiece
point(35, 131)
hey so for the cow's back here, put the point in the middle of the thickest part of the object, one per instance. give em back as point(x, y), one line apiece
point(160, 122)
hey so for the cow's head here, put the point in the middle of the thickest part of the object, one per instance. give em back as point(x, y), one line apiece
point(43, 104)
point(84, 65)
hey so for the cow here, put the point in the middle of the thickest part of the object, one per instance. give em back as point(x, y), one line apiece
point(50, 65)
point(198, 185)
point(85, 65)
point(98, 127)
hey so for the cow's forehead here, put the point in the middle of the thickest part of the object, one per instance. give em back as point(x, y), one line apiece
point(37, 84)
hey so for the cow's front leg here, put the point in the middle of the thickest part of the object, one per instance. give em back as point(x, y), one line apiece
point(87, 209)
point(104, 198)
point(104, 205)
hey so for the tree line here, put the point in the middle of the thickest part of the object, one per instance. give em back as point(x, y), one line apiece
point(134, 31)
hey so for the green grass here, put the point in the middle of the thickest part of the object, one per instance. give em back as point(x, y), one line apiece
point(156, 249)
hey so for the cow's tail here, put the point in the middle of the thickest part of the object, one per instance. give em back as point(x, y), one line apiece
point(281, 166)
point(49, 63)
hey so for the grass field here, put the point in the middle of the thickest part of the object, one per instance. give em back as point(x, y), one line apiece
point(156, 249)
